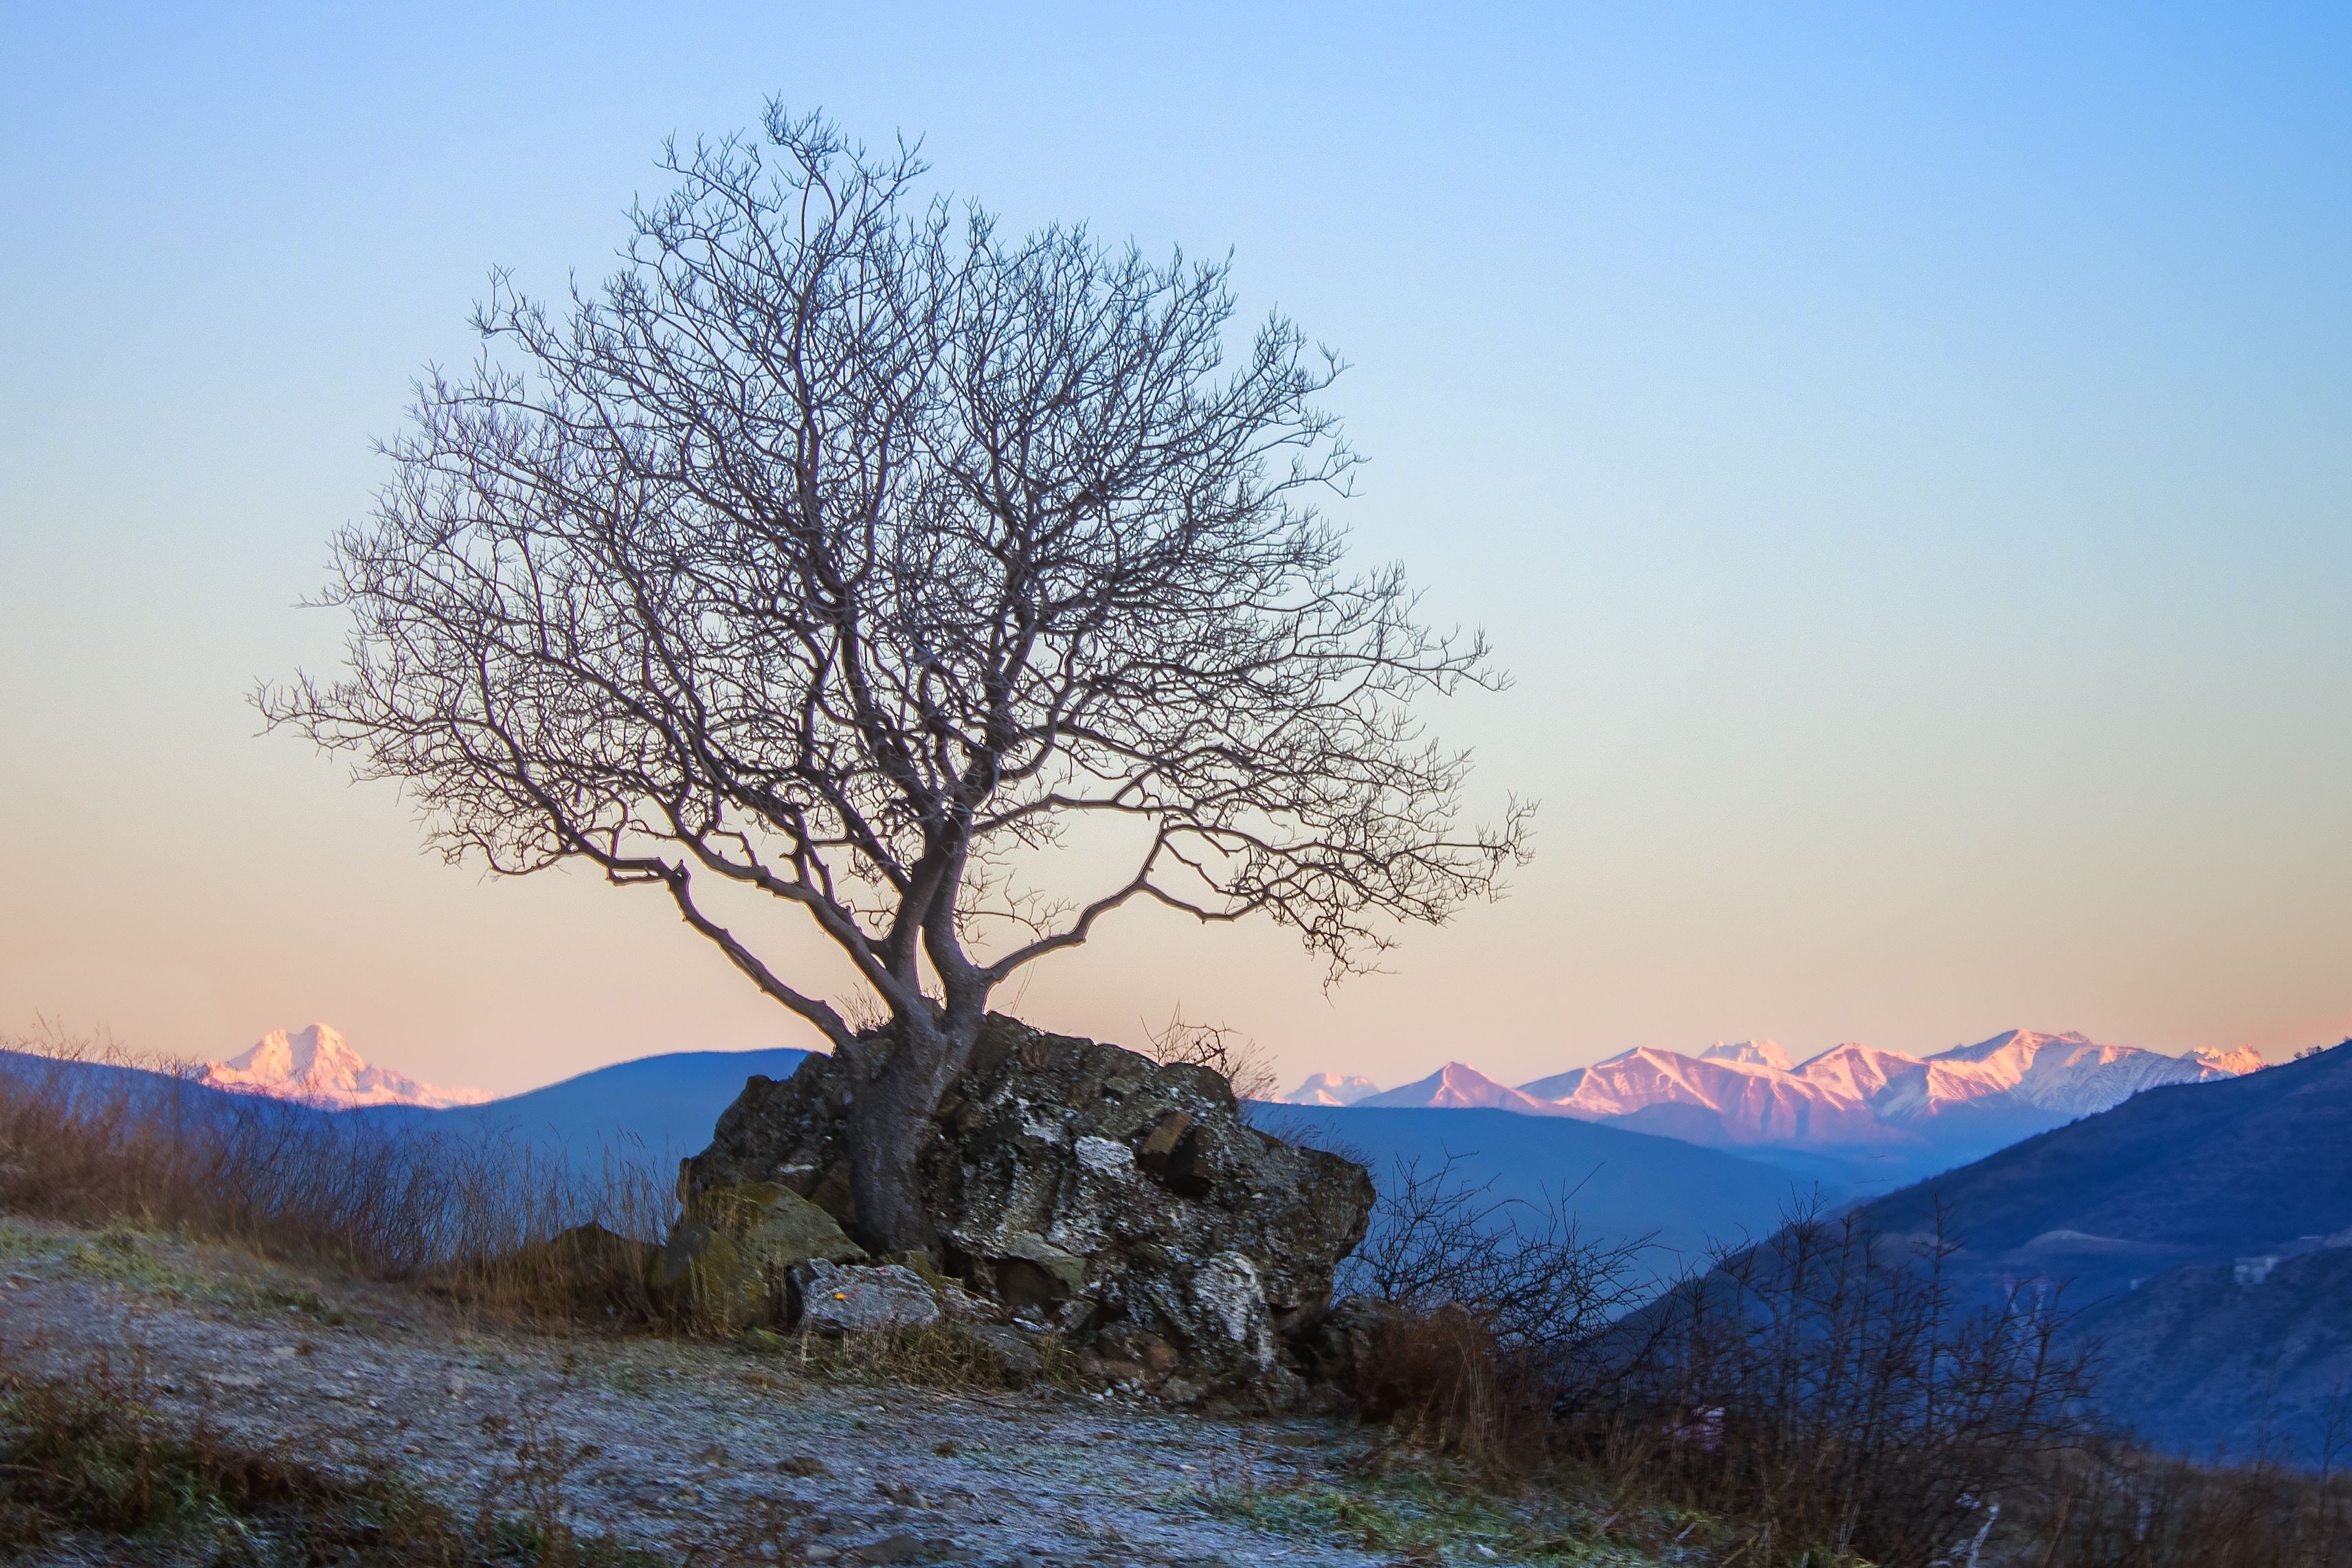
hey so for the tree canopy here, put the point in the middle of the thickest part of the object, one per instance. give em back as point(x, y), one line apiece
point(845, 548)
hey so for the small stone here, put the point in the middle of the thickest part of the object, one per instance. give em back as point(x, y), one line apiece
point(835, 1300)
point(899, 1548)
point(802, 1464)
point(712, 1455)
point(818, 1552)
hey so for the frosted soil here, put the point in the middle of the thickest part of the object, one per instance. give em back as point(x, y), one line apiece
point(673, 1446)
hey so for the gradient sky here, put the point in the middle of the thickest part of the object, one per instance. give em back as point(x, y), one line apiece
point(1904, 453)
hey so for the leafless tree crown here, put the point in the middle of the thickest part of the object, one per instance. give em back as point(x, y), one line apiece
point(842, 548)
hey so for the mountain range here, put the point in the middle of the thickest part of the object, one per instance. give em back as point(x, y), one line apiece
point(318, 1066)
point(2201, 1228)
point(1872, 1108)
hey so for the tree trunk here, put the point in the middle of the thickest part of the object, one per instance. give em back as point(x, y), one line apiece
point(889, 1125)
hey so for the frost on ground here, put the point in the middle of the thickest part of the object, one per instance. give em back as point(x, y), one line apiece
point(674, 1446)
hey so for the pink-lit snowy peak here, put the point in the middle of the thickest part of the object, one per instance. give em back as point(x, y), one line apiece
point(1852, 1096)
point(318, 1066)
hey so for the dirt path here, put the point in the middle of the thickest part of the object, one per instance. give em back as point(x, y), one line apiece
point(677, 1446)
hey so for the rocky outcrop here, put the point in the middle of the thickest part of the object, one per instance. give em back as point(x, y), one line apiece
point(1088, 1191)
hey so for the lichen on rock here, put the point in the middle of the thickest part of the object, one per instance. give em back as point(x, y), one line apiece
point(1082, 1189)
point(730, 1257)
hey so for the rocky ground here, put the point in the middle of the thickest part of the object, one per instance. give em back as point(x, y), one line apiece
point(717, 1452)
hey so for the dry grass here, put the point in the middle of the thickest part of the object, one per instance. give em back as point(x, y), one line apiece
point(1830, 1385)
point(2107, 1506)
point(89, 1137)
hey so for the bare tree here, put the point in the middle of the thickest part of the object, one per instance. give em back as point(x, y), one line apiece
point(843, 550)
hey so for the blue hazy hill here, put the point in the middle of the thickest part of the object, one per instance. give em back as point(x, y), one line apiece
point(1626, 1183)
point(659, 1109)
point(667, 1105)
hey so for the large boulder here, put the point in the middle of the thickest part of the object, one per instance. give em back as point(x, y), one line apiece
point(730, 1258)
point(1082, 1188)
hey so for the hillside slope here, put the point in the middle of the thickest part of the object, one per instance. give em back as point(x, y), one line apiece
point(2203, 1231)
point(664, 1104)
point(1626, 1183)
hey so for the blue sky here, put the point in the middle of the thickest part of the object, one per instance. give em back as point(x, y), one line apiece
point(1900, 451)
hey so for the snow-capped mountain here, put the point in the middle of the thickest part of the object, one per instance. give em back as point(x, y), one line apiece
point(318, 1066)
point(1457, 1086)
point(1749, 1053)
point(1330, 1089)
point(1852, 1098)
point(1722, 1101)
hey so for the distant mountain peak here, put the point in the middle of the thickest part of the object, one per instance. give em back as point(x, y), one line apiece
point(1749, 1053)
point(2236, 1064)
point(1459, 1086)
point(1331, 1089)
point(317, 1066)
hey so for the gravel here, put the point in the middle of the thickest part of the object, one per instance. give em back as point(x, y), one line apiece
point(667, 1444)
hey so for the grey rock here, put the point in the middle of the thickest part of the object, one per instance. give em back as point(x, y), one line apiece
point(835, 1300)
point(1344, 1348)
point(1018, 1359)
point(1120, 1203)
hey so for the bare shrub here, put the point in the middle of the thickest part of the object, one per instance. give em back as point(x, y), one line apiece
point(1525, 1269)
point(1829, 1387)
point(1481, 1299)
point(1232, 1055)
